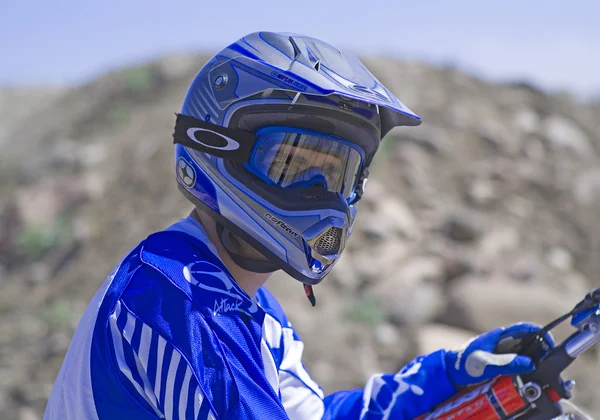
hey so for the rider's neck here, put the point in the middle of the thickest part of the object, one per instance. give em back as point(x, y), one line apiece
point(249, 281)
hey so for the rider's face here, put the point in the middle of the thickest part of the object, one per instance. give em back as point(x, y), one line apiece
point(294, 159)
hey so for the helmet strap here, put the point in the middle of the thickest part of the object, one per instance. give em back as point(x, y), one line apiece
point(233, 247)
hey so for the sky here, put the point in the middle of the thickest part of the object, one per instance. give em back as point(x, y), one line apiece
point(553, 43)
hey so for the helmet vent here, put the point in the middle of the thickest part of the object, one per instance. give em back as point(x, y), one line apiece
point(317, 65)
point(329, 243)
point(297, 50)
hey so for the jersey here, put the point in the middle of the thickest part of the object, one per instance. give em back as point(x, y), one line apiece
point(170, 334)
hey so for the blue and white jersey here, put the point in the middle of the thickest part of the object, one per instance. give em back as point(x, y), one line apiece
point(171, 335)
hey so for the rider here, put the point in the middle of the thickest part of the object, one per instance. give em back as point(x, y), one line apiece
point(272, 147)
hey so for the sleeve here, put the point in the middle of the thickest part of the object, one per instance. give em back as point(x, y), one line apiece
point(302, 397)
point(416, 389)
point(154, 373)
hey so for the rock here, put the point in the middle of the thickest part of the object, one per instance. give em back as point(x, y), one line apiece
point(56, 343)
point(82, 229)
point(499, 135)
point(176, 66)
point(39, 273)
point(534, 150)
point(38, 205)
point(457, 266)
point(369, 265)
point(562, 133)
point(344, 273)
point(391, 217)
point(484, 304)
point(396, 346)
point(412, 294)
point(93, 154)
point(433, 139)
point(560, 258)
point(10, 225)
point(23, 104)
point(364, 266)
point(572, 283)
point(387, 334)
point(498, 241)
point(586, 187)
point(526, 120)
point(27, 413)
point(527, 266)
point(461, 227)
point(461, 115)
point(480, 192)
point(432, 337)
point(520, 207)
point(94, 184)
point(64, 155)
point(374, 228)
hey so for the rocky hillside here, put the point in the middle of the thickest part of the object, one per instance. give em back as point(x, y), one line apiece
point(485, 215)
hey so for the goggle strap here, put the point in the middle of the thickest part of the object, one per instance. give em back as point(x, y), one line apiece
point(358, 193)
point(223, 142)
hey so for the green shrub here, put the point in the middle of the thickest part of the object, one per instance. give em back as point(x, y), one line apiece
point(138, 79)
point(34, 242)
point(58, 314)
point(119, 115)
point(366, 311)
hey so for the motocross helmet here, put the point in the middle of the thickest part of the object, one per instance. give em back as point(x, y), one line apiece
point(274, 140)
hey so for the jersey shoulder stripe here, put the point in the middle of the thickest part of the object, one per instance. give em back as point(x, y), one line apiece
point(187, 297)
point(155, 370)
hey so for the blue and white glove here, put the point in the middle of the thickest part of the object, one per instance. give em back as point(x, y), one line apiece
point(431, 379)
point(487, 356)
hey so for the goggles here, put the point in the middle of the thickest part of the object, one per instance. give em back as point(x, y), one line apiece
point(281, 156)
point(290, 157)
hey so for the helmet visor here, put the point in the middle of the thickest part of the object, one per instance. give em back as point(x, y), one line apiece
point(299, 158)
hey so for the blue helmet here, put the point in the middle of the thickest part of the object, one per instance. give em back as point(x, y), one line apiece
point(274, 140)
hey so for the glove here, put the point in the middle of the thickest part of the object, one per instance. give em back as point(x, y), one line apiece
point(431, 379)
point(493, 353)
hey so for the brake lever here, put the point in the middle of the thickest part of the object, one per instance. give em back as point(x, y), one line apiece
point(550, 367)
point(589, 301)
point(580, 313)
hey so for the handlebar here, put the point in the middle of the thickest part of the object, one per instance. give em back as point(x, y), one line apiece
point(534, 396)
point(588, 336)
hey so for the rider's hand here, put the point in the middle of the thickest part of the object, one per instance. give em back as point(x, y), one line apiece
point(431, 379)
point(485, 356)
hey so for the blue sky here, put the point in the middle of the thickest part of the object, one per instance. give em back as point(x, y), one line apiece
point(554, 43)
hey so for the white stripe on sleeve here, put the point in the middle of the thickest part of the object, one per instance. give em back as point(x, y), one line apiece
point(117, 338)
point(135, 359)
point(168, 408)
